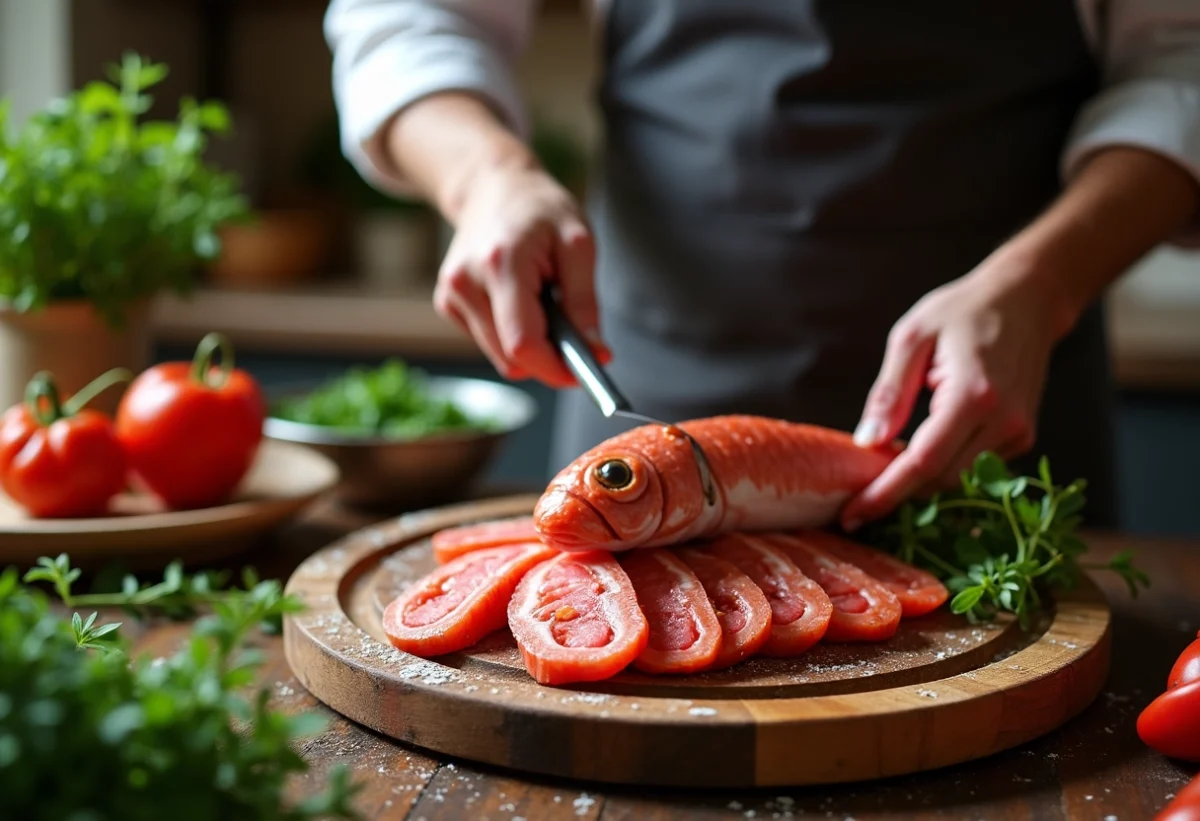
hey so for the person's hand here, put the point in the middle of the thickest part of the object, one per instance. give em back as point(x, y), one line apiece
point(982, 345)
point(518, 228)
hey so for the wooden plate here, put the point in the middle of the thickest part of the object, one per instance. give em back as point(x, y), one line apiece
point(940, 692)
point(284, 479)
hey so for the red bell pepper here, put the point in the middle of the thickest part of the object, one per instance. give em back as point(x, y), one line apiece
point(61, 460)
point(192, 430)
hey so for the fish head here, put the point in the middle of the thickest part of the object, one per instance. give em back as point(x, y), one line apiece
point(608, 499)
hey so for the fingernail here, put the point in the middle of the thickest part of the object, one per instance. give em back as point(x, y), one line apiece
point(867, 432)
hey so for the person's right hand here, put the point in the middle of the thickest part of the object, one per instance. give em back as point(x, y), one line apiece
point(516, 229)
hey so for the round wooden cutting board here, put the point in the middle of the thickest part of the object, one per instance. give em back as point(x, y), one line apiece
point(941, 691)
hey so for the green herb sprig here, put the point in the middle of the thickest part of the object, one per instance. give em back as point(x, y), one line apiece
point(87, 732)
point(999, 542)
point(97, 203)
point(177, 596)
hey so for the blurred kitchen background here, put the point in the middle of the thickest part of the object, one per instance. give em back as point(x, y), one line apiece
point(335, 275)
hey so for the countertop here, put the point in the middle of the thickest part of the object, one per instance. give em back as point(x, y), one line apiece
point(1093, 768)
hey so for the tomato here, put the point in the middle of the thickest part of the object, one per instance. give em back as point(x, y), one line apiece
point(61, 460)
point(1185, 806)
point(191, 431)
point(460, 602)
point(685, 635)
point(863, 608)
point(919, 591)
point(741, 606)
point(452, 542)
point(1171, 723)
point(800, 609)
point(576, 618)
point(1187, 666)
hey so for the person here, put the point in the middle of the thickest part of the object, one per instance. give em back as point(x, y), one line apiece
point(899, 219)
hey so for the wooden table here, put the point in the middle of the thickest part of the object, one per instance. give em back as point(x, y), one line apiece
point(1093, 768)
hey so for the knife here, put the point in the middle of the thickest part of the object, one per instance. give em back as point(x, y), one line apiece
point(578, 357)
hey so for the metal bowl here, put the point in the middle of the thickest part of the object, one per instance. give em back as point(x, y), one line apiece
point(408, 473)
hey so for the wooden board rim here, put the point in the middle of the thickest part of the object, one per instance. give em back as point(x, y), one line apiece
point(1075, 649)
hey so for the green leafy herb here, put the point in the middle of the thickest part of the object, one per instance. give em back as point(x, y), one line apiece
point(177, 596)
point(391, 400)
point(97, 204)
point(1000, 542)
point(86, 732)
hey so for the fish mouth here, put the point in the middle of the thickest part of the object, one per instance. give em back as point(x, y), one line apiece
point(569, 522)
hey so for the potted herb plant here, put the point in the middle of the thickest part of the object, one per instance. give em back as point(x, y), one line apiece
point(100, 210)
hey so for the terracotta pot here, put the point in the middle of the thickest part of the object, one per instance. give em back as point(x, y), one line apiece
point(72, 341)
point(281, 247)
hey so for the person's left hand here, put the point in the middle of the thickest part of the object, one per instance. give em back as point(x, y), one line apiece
point(981, 344)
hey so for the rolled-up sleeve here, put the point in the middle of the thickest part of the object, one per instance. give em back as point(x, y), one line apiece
point(1151, 92)
point(387, 54)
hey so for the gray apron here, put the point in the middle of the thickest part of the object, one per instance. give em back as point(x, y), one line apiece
point(782, 179)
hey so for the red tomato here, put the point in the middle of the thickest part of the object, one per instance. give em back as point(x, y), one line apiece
point(576, 618)
point(800, 609)
point(61, 461)
point(1187, 666)
point(919, 591)
point(191, 430)
point(685, 635)
point(1171, 723)
point(742, 608)
point(460, 602)
point(1185, 806)
point(452, 542)
point(863, 608)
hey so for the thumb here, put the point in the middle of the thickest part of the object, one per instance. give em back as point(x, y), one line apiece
point(576, 262)
point(891, 399)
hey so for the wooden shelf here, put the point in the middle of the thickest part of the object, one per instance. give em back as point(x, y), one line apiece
point(1153, 347)
point(317, 319)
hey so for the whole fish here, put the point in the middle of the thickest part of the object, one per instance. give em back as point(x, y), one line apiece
point(642, 488)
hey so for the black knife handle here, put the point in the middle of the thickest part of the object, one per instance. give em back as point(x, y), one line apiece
point(578, 356)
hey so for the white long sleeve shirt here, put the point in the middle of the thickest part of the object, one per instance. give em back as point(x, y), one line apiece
point(391, 53)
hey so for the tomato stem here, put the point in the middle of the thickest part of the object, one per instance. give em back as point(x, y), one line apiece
point(41, 395)
point(202, 362)
point(94, 388)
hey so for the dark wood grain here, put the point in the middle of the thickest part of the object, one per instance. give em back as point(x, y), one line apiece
point(1092, 769)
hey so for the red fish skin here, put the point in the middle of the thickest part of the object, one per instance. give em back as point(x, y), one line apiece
point(615, 630)
point(475, 609)
point(919, 591)
point(880, 612)
point(450, 543)
point(742, 607)
point(801, 611)
point(769, 474)
point(678, 611)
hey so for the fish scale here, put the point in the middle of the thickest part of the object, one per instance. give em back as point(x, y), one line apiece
point(770, 474)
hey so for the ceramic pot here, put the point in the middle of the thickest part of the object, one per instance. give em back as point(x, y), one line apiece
point(72, 341)
point(396, 250)
point(282, 247)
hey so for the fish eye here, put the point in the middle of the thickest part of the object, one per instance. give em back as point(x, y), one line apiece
point(614, 474)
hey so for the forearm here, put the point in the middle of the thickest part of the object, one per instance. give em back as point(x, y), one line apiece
point(443, 142)
point(1122, 204)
